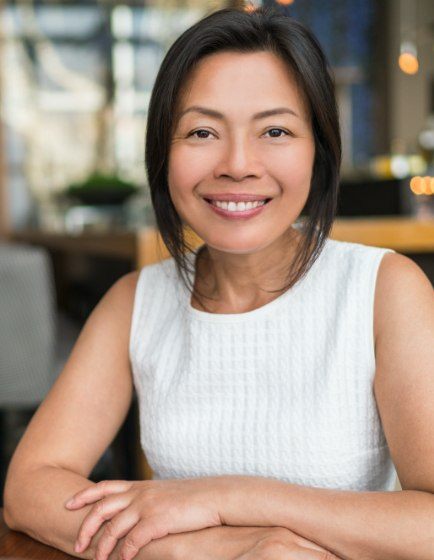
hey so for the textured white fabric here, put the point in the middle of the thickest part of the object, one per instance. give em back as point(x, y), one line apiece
point(284, 391)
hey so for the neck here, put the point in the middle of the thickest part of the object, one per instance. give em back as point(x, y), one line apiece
point(241, 282)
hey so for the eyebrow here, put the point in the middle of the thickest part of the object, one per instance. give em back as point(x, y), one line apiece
point(257, 116)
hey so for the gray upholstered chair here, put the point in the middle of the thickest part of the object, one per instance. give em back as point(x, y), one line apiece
point(27, 325)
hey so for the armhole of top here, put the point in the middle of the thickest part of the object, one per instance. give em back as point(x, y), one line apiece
point(371, 308)
point(136, 314)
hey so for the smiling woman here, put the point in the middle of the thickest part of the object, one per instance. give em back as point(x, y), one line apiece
point(270, 364)
point(209, 137)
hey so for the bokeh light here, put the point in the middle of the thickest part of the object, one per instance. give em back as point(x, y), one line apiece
point(408, 63)
point(422, 185)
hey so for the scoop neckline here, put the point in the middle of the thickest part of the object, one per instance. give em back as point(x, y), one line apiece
point(247, 315)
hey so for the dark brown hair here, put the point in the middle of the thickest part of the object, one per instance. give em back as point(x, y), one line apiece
point(238, 30)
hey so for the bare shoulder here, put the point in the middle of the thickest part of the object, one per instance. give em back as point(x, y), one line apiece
point(401, 284)
point(404, 376)
point(126, 285)
point(130, 279)
point(118, 301)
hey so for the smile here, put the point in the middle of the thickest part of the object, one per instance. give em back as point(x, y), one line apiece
point(237, 206)
point(237, 210)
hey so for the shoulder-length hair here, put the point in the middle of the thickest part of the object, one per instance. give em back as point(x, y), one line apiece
point(238, 30)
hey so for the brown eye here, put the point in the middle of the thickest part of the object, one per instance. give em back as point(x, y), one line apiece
point(200, 131)
point(277, 130)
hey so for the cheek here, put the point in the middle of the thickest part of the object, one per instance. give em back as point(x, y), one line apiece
point(294, 171)
point(185, 172)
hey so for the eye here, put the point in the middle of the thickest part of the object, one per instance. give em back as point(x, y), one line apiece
point(285, 132)
point(201, 130)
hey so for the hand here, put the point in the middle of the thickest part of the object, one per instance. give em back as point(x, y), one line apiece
point(212, 543)
point(145, 510)
point(246, 543)
point(280, 543)
point(231, 543)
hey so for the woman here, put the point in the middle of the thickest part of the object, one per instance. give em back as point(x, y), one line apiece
point(270, 365)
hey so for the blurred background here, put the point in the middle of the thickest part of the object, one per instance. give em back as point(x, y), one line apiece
point(75, 211)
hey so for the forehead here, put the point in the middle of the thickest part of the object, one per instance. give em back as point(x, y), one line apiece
point(232, 79)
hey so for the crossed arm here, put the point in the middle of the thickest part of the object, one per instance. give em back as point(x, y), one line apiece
point(352, 525)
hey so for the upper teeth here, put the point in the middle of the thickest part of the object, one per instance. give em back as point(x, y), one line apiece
point(237, 206)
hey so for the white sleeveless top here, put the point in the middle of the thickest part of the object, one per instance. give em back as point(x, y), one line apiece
point(284, 391)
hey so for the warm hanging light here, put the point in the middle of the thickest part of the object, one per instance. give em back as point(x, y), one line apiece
point(285, 2)
point(408, 58)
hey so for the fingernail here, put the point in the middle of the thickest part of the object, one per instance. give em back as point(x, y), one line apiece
point(70, 502)
point(78, 546)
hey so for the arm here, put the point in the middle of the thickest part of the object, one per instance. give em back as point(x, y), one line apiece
point(352, 525)
point(73, 426)
point(375, 525)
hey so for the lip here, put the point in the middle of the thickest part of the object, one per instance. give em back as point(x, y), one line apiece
point(242, 215)
point(235, 197)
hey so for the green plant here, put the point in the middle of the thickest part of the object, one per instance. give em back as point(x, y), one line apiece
point(100, 188)
point(99, 181)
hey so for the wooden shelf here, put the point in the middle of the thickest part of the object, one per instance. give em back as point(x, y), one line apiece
point(404, 235)
point(122, 244)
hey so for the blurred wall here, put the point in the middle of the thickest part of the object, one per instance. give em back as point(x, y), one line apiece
point(410, 96)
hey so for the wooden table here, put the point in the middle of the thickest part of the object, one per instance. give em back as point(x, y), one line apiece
point(18, 546)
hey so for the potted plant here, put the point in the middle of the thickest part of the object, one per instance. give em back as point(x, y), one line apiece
point(101, 189)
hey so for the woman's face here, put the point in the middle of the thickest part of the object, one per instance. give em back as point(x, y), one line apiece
point(221, 146)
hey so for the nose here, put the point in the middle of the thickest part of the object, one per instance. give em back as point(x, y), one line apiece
point(239, 160)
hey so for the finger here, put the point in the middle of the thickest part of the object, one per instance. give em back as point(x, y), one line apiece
point(309, 544)
point(309, 554)
point(143, 533)
point(102, 511)
point(97, 491)
point(115, 529)
point(301, 553)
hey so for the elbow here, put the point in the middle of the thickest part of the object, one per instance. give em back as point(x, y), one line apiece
point(8, 519)
point(11, 501)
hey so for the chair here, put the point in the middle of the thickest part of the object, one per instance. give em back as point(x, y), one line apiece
point(27, 326)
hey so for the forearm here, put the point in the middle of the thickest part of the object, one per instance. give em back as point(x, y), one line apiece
point(353, 525)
